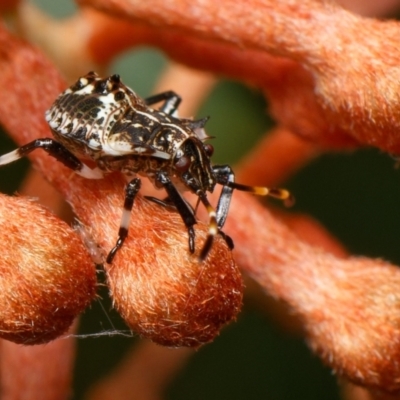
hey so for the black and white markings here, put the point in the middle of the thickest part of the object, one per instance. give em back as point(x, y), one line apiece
point(103, 120)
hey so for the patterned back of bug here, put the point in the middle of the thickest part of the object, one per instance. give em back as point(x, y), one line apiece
point(83, 116)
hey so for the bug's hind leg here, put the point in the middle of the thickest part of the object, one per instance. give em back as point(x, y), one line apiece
point(171, 101)
point(185, 211)
point(131, 190)
point(56, 150)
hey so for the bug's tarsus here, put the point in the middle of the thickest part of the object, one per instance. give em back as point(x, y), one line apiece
point(228, 239)
point(206, 248)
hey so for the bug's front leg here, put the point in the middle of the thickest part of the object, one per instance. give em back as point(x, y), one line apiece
point(226, 178)
point(131, 190)
point(185, 211)
point(224, 175)
point(170, 98)
point(56, 150)
point(213, 228)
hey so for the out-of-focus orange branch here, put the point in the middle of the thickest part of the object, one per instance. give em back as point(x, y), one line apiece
point(44, 369)
point(371, 8)
point(353, 392)
point(144, 373)
point(280, 148)
point(349, 306)
point(346, 66)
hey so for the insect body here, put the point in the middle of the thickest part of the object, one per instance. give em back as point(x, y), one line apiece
point(105, 121)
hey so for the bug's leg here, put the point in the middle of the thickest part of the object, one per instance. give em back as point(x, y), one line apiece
point(164, 203)
point(171, 101)
point(131, 190)
point(212, 227)
point(226, 178)
point(56, 150)
point(224, 175)
point(185, 211)
point(167, 202)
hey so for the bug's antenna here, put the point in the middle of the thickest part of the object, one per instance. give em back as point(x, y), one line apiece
point(281, 194)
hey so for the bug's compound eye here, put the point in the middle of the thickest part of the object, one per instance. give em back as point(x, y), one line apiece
point(209, 149)
point(182, 164)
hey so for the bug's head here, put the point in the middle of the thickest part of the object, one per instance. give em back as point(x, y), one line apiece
point(193, 164)
point(109, 90)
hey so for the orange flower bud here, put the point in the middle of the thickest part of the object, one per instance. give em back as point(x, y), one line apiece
point(350, 307)
point(169, 296)
point(161, 290)
point(47, 277)
point(337, 83)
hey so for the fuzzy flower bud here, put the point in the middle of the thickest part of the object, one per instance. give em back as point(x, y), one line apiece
point(162, 291)
point(46, 277)
point(171, 297)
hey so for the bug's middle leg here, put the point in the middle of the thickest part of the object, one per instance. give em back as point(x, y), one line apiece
point(167, 203)
point(170, 98)
point(131, 190)
point(185, 211)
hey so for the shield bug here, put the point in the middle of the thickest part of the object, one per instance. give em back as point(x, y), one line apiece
point(103, 120)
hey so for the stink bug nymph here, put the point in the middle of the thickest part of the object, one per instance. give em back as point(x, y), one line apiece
point(104, 120)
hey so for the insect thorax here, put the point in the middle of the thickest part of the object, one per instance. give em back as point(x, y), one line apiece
point(96, 117)
point(106, 121)
point(83, 116)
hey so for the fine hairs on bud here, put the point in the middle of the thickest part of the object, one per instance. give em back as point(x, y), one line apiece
point(47, 277)
point(170, 296)
point(163, 292)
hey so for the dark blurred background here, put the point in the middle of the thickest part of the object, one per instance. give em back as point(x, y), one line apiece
point(355, 195)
